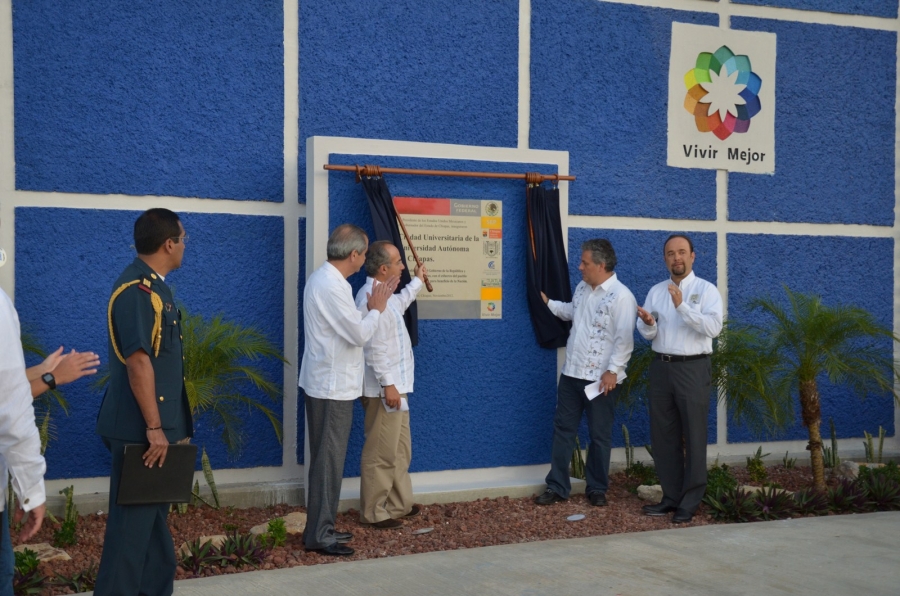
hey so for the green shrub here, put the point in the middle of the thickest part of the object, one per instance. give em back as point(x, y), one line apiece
point(756, 468)
point(734, 505)
point(811, 501)
point(65, 535)
point(277, 532)
point(643, 473)
point(719, 479)
point(27, 578)
point(774, 503)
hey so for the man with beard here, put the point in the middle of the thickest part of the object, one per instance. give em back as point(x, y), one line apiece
point(681, 316)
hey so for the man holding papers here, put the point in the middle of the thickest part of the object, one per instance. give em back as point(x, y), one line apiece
point(599, 346)
point(385, 493)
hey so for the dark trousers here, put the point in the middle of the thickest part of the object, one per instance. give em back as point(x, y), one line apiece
point(679, 397)
point(7, 559)
point(571, 402)
point(328, 424)
point(138, 553)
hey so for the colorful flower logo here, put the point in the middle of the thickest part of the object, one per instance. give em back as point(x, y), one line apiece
point(723, 93)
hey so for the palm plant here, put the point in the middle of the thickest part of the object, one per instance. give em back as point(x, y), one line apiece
point(219, 359)
point(740, 370)
point(48, 401)
point(844, 343)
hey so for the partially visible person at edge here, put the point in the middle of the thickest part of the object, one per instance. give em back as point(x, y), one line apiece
point(331, 376)
point(598, 349)
point(18, 455)
point(681, 316)
point(145, 403)
point(385, 493)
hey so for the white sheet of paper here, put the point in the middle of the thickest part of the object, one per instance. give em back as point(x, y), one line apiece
point(593, 390)
point(404, 405)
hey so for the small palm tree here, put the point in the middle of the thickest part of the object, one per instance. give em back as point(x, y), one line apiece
point(810, 339)
point(219, 359)
point(740, 372)
point(49, 401)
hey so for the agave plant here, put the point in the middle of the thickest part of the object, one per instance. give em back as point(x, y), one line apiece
point(736, 505)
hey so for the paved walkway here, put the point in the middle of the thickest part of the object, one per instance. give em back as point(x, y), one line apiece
point(846, 555)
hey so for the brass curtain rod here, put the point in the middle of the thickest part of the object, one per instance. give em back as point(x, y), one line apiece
point(369, 170)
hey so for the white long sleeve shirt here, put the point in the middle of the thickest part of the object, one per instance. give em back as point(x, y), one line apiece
point(689, 329)
point(335, 333)
point(389, 354)
point(602, 335)
point(20, 444)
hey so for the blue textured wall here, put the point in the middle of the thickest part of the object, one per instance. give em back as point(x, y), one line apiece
point(875, 8)
point(835, 162)
point(174, 98)
point(640, 267)
point(474, 406)
point(599, 89)
point(856, 271)
point(66, 263)
point(411, 70)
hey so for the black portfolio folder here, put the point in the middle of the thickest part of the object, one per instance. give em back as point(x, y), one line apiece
point(171, 483)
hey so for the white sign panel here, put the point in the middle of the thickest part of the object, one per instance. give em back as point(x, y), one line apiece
point(722, 99)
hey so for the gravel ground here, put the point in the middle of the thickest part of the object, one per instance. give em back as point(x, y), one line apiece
point(455, 525)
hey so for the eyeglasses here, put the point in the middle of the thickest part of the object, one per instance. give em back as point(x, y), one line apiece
point(181, 238)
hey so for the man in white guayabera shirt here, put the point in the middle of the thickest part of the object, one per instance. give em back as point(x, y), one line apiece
point(331, 375)
point(385, 492)
point(598, 350)
point(20, 445)
point(681, 316)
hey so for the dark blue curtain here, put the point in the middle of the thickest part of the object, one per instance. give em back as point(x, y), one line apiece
point(546, 267)
point(384, 220)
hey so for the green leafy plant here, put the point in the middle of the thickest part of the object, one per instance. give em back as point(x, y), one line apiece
point(774, 503)
point(789, 463)
point(848, 497)
point(873, 456)
point(48, 403)
point(220, 357)
point(756, 467)
point(883, 493)
point(719, 479)
point(82, 581)
point(890, 470)
point(199, 555)
point(65, 534)
point(629, 450)
point(240, 550)
point(733, 505)
point(276, 532)
point(578, 461)
point(27, 578)
point(643, 473)
point(811, 501)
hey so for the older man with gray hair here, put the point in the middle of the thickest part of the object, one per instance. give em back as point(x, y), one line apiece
point(331, 376)
point(385, 493)
point(598, 350)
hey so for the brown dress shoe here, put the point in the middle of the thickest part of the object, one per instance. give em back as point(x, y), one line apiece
point(387, 524)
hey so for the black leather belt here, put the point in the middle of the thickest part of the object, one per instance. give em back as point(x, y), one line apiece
point(671, 358)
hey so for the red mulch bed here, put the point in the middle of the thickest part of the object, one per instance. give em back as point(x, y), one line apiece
point(485, 522)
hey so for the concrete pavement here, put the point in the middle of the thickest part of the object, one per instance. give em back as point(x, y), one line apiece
point(846, 555)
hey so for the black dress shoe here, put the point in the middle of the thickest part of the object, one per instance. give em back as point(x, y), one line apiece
point(343, 537)
point(548, 497)
point(657, 510)
point(597, 499)
point(335, 550)
point(416, 510)
point(682, 516)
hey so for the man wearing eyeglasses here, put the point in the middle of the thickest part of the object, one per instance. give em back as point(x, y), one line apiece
point(145, 403)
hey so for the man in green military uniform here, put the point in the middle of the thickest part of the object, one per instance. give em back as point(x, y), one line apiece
point(145, 403)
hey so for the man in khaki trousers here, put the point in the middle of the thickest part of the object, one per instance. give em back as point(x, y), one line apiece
point(385, 487)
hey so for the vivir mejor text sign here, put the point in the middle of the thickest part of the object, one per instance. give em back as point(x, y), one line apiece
point(722, 99)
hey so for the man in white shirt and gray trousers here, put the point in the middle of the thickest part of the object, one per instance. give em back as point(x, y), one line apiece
point(331, 375)
point(681, 316)
point(385, 492)
point(598, 349)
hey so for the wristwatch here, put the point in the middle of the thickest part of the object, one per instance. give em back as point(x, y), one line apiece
point(49, 379)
